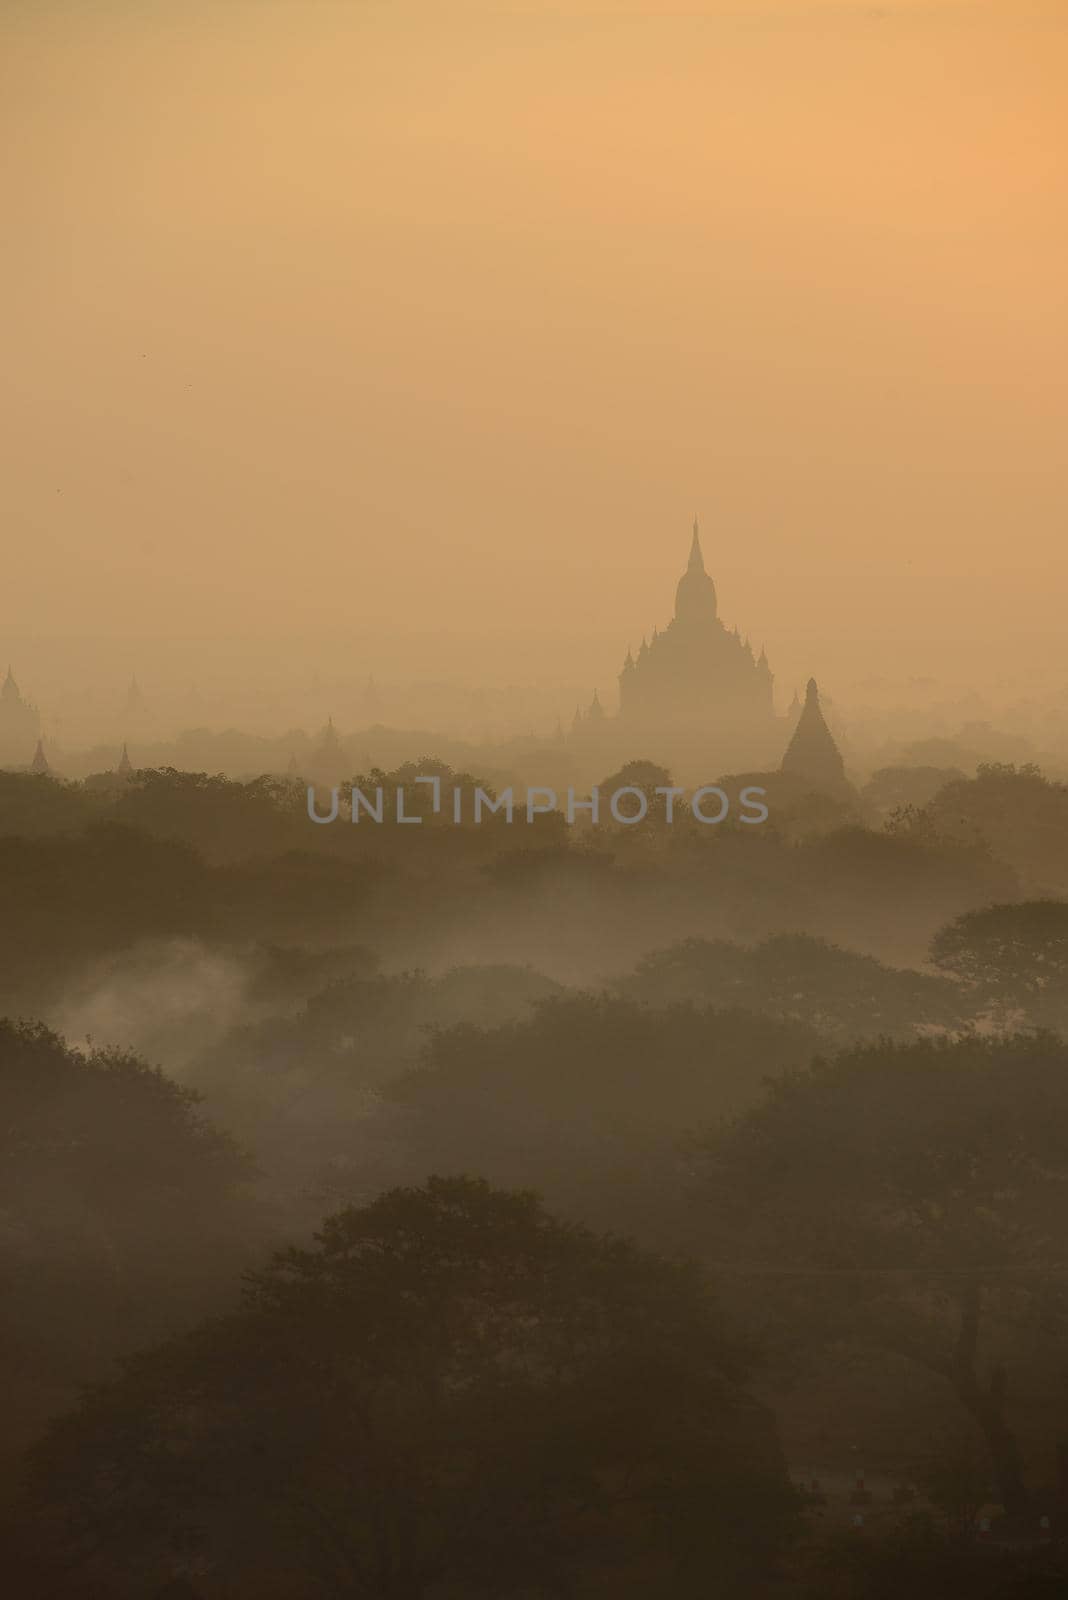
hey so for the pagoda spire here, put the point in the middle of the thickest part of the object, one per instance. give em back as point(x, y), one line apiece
point(695, 597)
point(696, 562)
point(135, 700)
point(812, 754)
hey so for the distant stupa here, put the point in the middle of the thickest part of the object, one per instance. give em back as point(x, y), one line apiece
point(372, 701)
point(328, 763)
point(40, 760)
point(812, 754)
point(20, 722)
point(329, 742)
point(125, 766)
point(135, 700)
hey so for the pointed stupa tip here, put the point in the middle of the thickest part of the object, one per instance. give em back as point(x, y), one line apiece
point(812, 753)
point(696, 562)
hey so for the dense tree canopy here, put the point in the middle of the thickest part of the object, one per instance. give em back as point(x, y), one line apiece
point(453, 1394)
point(840, 993)
point(123, 1210)
point(589, 1100)
point(1013, 959)
point(1017, 813)
point(923, 1190)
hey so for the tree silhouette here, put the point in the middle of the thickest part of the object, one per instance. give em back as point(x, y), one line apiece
point(124, 1213)
point(913, 1196)
point(451, 1393)
point(1013, 958)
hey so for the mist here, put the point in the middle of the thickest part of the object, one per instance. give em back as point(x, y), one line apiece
point(406, 340)
point(534, 801)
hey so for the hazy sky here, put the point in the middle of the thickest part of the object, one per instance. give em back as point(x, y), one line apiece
point(415, 334)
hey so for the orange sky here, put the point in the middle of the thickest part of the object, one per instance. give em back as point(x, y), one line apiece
point(414, 334)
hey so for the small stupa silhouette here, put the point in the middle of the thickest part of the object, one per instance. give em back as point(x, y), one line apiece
point(812, 754)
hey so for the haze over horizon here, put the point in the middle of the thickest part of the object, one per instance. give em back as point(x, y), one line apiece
point(534, 1041)
point(409, 338)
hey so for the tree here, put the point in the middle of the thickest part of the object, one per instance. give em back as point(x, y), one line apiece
point(451, 1393)
point(1018, 813)
point(35, 803)
point(588, 1100)
point(647, 777)
point(841, 993)
point(1014, 958)
point(915, 1194)
point(222, 819)
point(70, 897)
point(891, 788)
point(301, 1089)
point(644, 775)
point(122, 1207)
